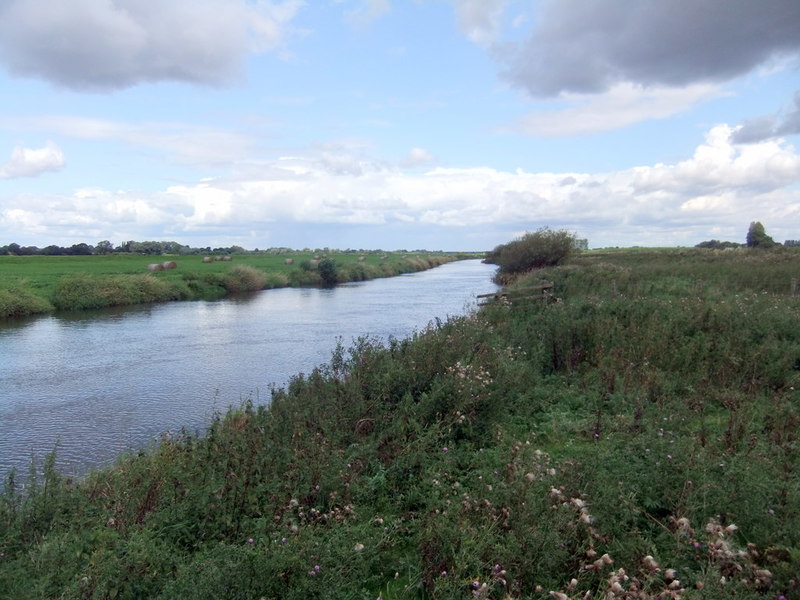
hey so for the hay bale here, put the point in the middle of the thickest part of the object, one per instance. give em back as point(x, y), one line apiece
point(170, 264)
point(217, 258)
point(227, 258)
point(289, 261)
point(362, 258)
point(155, 267)
point(207, 259)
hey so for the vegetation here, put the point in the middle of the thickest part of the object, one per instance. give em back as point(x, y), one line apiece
point(640, 438)
point(757, 237)
point(33, 284)
point(542, 248)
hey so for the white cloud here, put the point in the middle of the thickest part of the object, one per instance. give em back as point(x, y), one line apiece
point(97, 45)
point(480, 20)
point(180, 142)
point(622, 105)
point(418, 157)
point(26, 162)
point(722, 186)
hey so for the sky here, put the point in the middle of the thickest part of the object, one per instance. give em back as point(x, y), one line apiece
point(398, 124)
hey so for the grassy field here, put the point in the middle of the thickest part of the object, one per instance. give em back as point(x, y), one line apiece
point(639, 438)
point(37, 284)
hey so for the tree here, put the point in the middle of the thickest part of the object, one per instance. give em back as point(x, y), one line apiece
point(327, 271)
point(757, 237)
point(104, 247)
point(543, 248)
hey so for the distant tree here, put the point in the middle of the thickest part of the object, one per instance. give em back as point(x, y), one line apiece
point(757, 237)
point(717, 245)
point(81, 249)
point(104, 247)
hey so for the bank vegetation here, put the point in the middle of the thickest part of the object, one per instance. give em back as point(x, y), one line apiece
point(37, 284)
point(638, 438)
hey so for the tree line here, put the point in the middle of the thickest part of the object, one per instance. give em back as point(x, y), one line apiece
point(756, 238)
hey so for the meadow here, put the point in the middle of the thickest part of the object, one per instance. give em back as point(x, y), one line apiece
point(637, 438)
point(40, 284)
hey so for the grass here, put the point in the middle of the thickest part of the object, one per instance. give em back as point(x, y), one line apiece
point(39, 284)
point(638, 439)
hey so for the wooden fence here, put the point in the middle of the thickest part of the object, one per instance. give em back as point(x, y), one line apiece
point(521, 296)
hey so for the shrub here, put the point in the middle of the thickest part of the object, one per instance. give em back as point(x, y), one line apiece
point(243, 278)
point(543, 248)
point(327, 271)
point(19, 303)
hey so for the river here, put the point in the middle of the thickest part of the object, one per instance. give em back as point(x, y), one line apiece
point(91, 385)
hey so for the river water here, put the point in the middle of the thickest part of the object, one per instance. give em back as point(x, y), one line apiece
point(91, 385)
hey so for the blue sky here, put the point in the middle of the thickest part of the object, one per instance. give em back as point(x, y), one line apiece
point(438, 124)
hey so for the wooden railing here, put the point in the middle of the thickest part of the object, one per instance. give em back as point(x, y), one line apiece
point(517, 297)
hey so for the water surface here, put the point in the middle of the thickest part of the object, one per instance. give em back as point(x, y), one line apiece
point(98, 383)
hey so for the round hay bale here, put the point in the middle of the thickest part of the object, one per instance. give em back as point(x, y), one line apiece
point(155, 267)
point(170, 264)
point(362, 258)
point(207, 259)
point(227, 258)
point(217, 258)
point(289, 261)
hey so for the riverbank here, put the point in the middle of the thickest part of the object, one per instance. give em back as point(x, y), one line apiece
point(638, 438)
point(32, 285)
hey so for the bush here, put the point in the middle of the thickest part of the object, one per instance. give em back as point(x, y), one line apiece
point(327, 271)
point(543, 248)
point(243, 278)
point(19, 303)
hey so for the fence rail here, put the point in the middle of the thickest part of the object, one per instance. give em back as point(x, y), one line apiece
point(543, 291)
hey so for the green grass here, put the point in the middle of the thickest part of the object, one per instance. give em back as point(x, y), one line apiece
point(642, 431)
point(38, 284)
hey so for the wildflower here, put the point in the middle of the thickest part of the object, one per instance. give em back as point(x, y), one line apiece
point(250, 540)
point(559, 595)
point(283, 540)
point(445, 449)
point(358, 547)
point(650, 563)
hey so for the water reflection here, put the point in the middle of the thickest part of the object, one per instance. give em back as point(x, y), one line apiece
point(100, 382)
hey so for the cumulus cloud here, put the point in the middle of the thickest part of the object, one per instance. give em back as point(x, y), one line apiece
point(98, 45)
point(590, 46)
point(622, 105)
point(26, 162)
point(770, 126)
point(721, 187)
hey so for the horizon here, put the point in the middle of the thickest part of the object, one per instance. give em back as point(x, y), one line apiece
point(443, 124)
